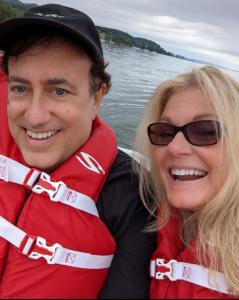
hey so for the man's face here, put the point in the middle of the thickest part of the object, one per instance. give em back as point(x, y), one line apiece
point(51, 109)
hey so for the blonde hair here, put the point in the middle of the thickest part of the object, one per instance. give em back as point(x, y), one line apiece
point(217, 223)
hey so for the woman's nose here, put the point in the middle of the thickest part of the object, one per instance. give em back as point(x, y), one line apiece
point(179, 145)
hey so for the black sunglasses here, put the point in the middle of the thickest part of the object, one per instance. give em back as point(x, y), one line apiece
point(198, 133)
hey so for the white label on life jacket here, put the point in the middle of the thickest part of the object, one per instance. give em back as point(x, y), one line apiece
point(90, 163)
point(3, 169)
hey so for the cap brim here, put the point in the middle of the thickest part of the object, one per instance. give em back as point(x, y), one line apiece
point(15, 25)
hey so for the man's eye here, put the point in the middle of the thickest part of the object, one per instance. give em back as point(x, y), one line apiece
point(19, 89)
point(60, 92)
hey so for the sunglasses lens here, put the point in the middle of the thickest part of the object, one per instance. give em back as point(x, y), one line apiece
point(203, 133)
point(199, 133)
point(161, 133)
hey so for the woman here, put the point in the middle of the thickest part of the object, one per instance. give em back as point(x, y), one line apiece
point(190, 133)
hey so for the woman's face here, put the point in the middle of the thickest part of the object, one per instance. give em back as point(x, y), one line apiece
point(190, 174)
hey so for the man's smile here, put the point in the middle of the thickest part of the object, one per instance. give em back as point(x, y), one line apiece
point(41, 135)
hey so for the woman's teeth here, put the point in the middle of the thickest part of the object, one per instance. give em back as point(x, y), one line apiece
point(187, 174)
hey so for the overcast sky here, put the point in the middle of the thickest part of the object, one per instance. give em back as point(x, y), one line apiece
point(204, 29)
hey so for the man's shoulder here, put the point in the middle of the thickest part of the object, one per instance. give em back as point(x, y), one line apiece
point(120, 195)
point(122, 171)
point(120, 206)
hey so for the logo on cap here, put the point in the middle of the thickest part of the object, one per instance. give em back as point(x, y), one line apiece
point(49, 15)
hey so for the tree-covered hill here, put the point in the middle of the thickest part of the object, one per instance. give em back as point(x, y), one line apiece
point(13, 8)
point(20, 5)
point(8, 11)
point(16, 3)
point(119, 37)
point(115, 36)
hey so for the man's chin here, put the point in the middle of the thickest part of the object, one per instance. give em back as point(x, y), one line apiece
point(41, 161)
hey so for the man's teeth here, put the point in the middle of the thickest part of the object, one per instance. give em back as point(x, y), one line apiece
point(187, 172)
point(40, 135)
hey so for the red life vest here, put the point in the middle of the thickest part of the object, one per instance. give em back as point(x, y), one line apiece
point(74, 235)
point(178, 267)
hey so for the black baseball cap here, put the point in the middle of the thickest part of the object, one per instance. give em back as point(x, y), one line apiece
point(64, 20)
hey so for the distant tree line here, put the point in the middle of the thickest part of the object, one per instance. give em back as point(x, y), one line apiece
point(8, 11)
point(119, 37)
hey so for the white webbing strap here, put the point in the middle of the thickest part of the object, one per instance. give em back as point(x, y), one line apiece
point(36, 247)
point(192, 273)
point(11, 233)
point(12, 171)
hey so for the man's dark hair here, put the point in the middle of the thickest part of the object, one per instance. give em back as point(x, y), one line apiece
point(18, 43)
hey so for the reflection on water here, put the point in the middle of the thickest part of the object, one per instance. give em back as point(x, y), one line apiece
point(135, 74)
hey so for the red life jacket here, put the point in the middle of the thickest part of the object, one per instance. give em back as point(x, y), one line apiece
point(75, 242)
point(178, 267)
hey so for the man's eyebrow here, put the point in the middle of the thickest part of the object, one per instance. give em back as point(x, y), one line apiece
point(60, 81)
point(18, 79)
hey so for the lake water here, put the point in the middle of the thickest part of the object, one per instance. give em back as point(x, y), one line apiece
point(135, 74)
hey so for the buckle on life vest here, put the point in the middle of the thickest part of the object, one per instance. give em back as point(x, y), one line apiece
point(164, 269)
point(36, 247)
point(45, 185)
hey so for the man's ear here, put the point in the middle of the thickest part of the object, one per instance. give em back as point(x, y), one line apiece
point(97, 98)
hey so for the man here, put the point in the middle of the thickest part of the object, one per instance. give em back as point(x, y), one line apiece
point(58, 159)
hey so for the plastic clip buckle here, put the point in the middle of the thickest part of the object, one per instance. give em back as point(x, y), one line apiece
point(42, 250)
point(46, 185)
point(164, 269)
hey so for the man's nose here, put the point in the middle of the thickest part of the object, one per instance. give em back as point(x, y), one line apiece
point(179, 145)
point(37, 112)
